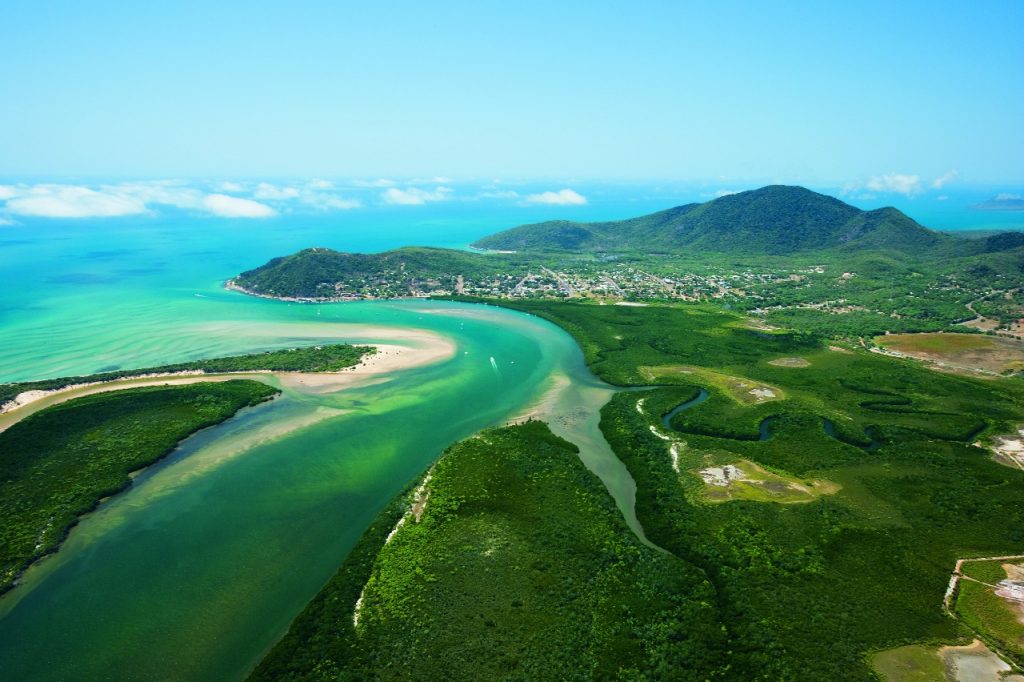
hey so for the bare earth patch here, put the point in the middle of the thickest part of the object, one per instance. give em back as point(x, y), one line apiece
point(790, 362)
point(1012, 589)
point(975, 663)
point(1009, 450)
point(745, 480)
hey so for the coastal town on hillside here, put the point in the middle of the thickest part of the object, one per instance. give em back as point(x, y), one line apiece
point(817, 287)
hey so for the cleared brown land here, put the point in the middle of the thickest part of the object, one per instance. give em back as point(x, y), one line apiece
point(969, 351)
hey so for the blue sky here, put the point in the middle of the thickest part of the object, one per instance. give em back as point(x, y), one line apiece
point(811, 93)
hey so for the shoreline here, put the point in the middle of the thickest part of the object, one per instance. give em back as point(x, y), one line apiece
point(375, 368)
point(232, 285)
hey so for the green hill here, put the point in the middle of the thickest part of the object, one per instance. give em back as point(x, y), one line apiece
point(771, 227)
point(325, 273)
point(772, 220)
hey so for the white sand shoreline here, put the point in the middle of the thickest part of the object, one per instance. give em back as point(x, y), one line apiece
point(376, 368)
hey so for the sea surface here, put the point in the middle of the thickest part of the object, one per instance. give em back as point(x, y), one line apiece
point(198, 568)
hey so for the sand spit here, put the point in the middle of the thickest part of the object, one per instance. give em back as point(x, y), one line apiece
point(377, 368)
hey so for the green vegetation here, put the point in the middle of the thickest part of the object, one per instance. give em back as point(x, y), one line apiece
point(322, 273)
point(332, 358)
point(853, 324)
point(770, 220)
point(801, 259)
point(985, 612)
point(877, 450)
point(57, 464)
point(806, 590)
point(520, 567)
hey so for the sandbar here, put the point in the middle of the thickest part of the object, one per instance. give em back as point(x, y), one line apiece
point(425, 349)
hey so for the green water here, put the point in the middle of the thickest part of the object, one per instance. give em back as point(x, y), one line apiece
point(197, 569)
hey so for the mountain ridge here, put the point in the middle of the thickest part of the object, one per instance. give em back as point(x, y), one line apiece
point(777, 220)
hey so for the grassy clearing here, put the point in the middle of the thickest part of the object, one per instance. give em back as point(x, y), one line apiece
point(741, 389)
point(57, 464)
point(913, 663)
point(968, 351)
point(790, 362)
point(935, 343)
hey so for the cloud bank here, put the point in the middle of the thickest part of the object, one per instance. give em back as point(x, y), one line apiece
point(53, 200)
point(564, 197)
point(235, 207)
point(71, 201)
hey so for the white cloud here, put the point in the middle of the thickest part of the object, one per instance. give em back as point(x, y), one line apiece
point(1006, 196)
point(134, 198)
point(726, 192)
point(565, 197)
point(498, 194)
point(326, 202)
point(414, 196)
point(234, 207)
point(4, 222)
point(320, 184)
point(381, 182)
point(165, 192)
point(942, 197)
point(266, 191)
point(72, 201)
point(231, 187)
point(945, 179)
point(895, 182)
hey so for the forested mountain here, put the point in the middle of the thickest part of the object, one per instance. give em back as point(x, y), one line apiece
point(773, 220)
point(773, 228)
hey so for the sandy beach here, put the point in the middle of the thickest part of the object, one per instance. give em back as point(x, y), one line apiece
point(423, 349)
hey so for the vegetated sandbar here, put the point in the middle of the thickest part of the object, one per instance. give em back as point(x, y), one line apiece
point(390, 358)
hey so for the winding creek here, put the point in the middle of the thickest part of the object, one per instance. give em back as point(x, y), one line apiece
point(764, 428)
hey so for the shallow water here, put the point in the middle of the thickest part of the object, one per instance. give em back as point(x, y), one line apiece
point(198, 568)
